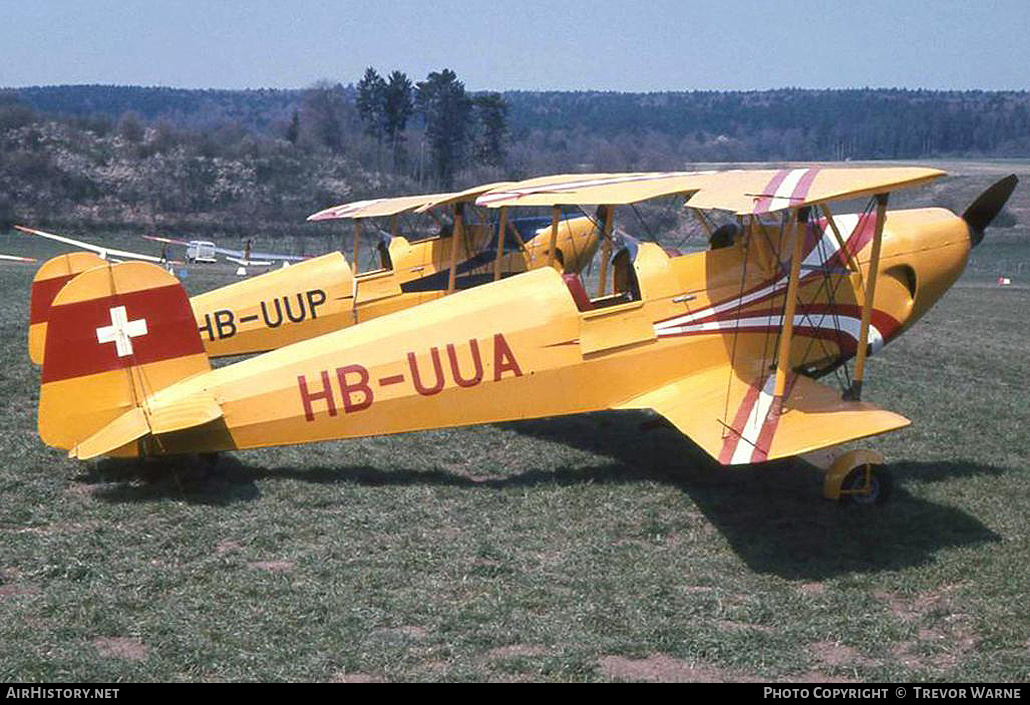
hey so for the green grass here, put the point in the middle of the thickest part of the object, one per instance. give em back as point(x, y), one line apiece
point(576, 548)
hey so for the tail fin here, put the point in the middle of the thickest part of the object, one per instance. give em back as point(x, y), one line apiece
point(49, 280)
point(116, 335)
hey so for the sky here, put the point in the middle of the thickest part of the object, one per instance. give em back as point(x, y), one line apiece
point(632, 45)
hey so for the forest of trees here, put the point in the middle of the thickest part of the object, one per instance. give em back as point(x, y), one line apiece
point(236, 160)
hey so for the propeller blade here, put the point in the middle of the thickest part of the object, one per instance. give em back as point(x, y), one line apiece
point(987, 206)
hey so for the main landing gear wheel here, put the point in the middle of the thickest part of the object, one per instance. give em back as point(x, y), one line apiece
point(867, 484)
point(857, 477)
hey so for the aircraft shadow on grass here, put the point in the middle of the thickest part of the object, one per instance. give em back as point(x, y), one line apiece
point(773, 515)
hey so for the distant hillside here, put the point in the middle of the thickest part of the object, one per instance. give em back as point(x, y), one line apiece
point(790, 124)
point(172, 171)
point(243, 159)
point(773, 124)
point(255, 109)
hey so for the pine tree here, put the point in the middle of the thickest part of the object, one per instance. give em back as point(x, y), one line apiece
point(491, 118)
point(397, 108)
point(293, 131)
point(371, 103)
point(322, 116)
point(447, 111)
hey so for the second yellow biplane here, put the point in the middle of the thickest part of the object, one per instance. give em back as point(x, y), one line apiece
point(726, 344)
point(324, 294)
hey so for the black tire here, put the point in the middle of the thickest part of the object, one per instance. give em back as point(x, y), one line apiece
point(880, 480)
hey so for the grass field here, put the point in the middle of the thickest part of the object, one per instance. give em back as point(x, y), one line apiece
point(576, 548)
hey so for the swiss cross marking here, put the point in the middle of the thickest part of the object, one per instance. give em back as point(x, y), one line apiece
point(121, 331)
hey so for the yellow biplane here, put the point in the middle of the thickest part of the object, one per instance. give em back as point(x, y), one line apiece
point(726, 344)
point(324, 294)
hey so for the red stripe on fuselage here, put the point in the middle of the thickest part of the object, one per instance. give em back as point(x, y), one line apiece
point(72, 347)
point(855, 242)
point(807, 327)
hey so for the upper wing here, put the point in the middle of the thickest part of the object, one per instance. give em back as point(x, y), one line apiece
point(735, 421)
point(466, 195)
point(608, 189)
point(378, 207)
point(741, 191)
point(764, 191)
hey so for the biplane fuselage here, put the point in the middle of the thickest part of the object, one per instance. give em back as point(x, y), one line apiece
point(322, 295)
point(689, 327)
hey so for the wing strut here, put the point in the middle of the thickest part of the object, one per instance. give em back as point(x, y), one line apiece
point(555, 215)
point(502, 226)
point(700, 216)
point(457, 232)
point(800, 223)
point(854, 392)
point(840, 240)
point(606, 248)
point(356, 228)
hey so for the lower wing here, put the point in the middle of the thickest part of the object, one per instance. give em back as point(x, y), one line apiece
point(736, 421)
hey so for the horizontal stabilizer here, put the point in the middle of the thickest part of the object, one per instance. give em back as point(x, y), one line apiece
point(194, 410)
point(130, 426)
point(736, 421)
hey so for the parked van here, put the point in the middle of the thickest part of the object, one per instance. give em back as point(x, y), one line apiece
point(200, 251)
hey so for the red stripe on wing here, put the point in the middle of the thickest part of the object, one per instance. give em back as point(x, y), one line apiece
point(762, 203)
point(804, 183)
point(760, 453)
point(735, 431)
